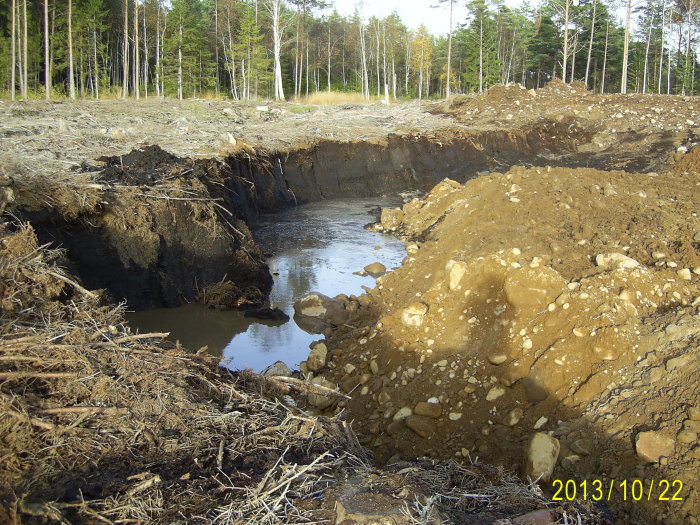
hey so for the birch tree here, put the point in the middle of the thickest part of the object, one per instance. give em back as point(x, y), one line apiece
point(275, 8)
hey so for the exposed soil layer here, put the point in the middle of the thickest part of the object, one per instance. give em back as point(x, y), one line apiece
point(154, 229)
point(543, 299)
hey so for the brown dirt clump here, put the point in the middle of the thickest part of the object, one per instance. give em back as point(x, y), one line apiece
point(543, 299)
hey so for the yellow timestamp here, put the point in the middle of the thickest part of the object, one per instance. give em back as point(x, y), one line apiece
point(608, 490)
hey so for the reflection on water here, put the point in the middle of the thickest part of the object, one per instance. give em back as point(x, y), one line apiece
point(315, 247)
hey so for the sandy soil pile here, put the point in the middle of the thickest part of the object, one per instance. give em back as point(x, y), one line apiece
point(539, 300)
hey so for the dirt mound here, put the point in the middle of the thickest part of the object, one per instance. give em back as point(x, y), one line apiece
point(557, 87)
point(144, 166)
point(526, 304)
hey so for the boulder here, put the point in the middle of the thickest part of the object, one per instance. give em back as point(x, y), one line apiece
point(432, 410)
point(652, 446)
point(317, 357)
point(321, 401)
point(421, 425)
point(542, 454)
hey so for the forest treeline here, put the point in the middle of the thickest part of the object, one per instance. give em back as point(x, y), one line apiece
point(248, 49)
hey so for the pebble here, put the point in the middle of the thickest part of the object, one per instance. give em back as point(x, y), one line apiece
point(513, 417)
point(540, 423)
point(455, 416)
point(694, 413)
point(495, 392)
point(685, 274)
point(402, 413)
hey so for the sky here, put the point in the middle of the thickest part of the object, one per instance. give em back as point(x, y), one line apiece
point(413, 13)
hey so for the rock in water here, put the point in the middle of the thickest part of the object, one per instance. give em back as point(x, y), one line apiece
point(279, 369)
point(268, 314)
point(542, 454)
point(376, 269)
point(322, 307)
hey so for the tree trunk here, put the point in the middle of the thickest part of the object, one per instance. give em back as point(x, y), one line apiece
point(329, 56)
point(646, 56)
point(668, 73)
point(137, 67)
point(605, 57)
point(25, 61)
point(590, 42)
point(363, 52)
point(96, 71)
point(179, 65)
point(663, 35)
point(277, 41)
point(14, 58)
point(71, 79)
point(567, 5)
point(125, 58)
point(158, 92)
point(687, 68)
point(573, 56)
point(47, 68)
point(145, 55)
point(379, 80)
point(216, 43)
point(481, 53)
point(626, 48)
point(449, 54)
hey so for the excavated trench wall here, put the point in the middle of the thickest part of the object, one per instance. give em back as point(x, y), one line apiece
point(146, 240)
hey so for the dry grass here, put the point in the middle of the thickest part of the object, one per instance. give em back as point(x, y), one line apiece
point(325, 98)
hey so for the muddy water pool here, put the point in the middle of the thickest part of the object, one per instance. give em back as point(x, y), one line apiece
point(314, 247)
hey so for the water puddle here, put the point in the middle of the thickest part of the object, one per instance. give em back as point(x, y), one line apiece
point(314, 247)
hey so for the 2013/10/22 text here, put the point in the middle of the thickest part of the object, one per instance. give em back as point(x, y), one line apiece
point(608, 490)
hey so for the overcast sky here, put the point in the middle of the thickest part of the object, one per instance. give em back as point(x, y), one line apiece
point(412, 12)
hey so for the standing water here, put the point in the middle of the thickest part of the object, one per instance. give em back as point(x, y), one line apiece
point(316, 247)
